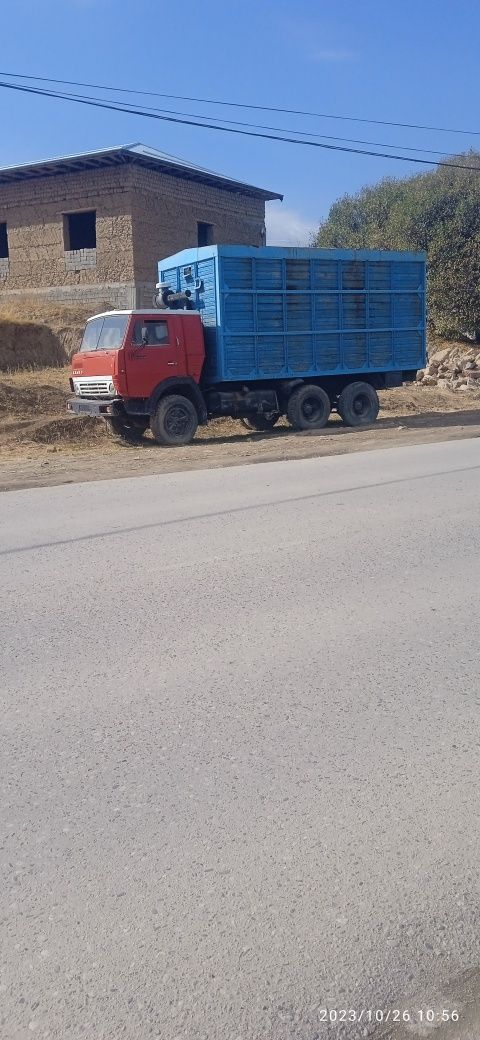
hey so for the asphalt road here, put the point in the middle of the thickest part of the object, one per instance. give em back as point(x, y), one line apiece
point(239, 778)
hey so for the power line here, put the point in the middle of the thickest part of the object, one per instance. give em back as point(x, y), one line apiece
point(237, 104)
point(236, 122)
point(261, 126)
point(282, 130)
point(113, 107)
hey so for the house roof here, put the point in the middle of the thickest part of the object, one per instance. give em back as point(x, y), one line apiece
point(137, 154)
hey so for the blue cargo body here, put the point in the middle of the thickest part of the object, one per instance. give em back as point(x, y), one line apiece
point(282, 313)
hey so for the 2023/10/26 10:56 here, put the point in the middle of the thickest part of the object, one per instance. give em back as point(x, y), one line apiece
point(420, 1015)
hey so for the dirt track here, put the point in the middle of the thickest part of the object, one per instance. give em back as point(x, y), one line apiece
point(40, 445)
point(47, 465)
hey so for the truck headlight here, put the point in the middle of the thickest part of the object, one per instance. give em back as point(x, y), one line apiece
point(112, 390)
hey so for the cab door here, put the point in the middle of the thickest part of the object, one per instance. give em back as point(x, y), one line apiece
point(154, 351)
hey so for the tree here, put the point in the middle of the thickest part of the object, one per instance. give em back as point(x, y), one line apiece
point(437, 211)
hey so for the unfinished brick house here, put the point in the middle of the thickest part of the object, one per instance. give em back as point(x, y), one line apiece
point(91, 228)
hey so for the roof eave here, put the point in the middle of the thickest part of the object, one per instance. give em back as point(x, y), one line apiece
point(202, 176)
point(129, 155)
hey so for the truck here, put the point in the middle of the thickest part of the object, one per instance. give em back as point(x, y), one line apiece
point(255, 334)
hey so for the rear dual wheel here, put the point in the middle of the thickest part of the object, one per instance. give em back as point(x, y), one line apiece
point(308, 407)
point(358, 404)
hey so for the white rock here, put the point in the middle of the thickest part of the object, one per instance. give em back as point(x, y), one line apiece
point(439, 357)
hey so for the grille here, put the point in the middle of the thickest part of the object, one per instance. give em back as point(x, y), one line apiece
point(92, 387)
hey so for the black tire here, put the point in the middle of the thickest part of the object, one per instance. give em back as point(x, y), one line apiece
point(132, 434)
point(260, 422)
point(358, 404)
point(308, 408)
point(175, 421)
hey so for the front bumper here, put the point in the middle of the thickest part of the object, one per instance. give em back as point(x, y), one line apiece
point(99, 409)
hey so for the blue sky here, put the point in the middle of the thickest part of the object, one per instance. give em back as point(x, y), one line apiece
point(412, 62)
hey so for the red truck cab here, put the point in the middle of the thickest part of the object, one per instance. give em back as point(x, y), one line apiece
point(130, 360)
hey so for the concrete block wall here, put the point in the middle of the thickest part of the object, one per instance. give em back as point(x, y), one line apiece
point(80, 259)
point(119, 295)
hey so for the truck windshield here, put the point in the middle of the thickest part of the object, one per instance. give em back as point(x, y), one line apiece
point(104, 333)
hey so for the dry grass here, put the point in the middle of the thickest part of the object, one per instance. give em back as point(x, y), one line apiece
point(30, 378)
point(31, 309)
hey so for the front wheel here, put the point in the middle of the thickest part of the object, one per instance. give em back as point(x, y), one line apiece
point(132, 434)
point(308, 408)
point(358, 404)
point(175, 421)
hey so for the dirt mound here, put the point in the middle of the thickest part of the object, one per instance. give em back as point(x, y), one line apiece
point(79, 430)
point(27, 344)
point(32, 411)
point(31, 400)
point(35, 334)
point(416, 398)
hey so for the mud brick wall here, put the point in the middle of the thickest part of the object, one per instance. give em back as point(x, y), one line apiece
point(142, 215)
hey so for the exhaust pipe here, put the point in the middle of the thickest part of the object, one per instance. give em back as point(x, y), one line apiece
point(166, 299)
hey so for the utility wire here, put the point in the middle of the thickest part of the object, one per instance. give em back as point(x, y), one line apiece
point(282, 130)
point(237, 104)
point(275, 129)
point(113, 107)
point(260, 126)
